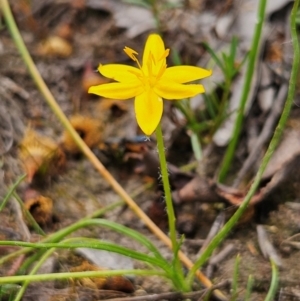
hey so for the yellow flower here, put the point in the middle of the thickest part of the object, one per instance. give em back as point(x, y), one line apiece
point(150, 82)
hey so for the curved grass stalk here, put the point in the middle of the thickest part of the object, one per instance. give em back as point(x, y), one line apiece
point(75, 275)
point(61, 234)
point(272, 146)
point(274, 282)
point(82, 242)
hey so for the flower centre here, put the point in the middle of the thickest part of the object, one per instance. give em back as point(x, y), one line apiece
point(154, 69)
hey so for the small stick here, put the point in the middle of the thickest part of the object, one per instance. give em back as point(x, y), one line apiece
point(214, 260)
point(266, 247)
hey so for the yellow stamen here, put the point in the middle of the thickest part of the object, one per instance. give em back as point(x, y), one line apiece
point(165, 54)
point(131, 53)
point(161, 71)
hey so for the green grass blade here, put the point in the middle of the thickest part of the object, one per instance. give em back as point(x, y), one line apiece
point(235, 278)
point(142, 3)
point(76, 275)
point(11, 191)
point(129, 233)
point(82, 242)
point(214, 56)
point(274, 283)
point(249, 288)
point(196, 146)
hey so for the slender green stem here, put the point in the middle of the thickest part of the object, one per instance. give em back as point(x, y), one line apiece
point(33, 272)
point(274, 283)
point(245, 92)
point(166, 185)
point(178, 271)
point(74, 275)
point(11, 191)
point(272, 146)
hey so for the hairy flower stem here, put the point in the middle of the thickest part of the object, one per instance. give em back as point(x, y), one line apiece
point(168, 199)
point(166, 185)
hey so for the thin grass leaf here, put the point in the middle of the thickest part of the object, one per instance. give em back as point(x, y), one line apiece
point(76, 275)
point(11, 191)
point(232, 54)
point(83, 242)
point(203, 126)
point(143, 3)
point(211, 106)
point(196, 146)
point(214, 56)
point(171, 5)
point(238, 68)
point(130, 233)
point(176, 59)
point(227, 66)
point(274, 283)
point(8, 289)
point(249, 288)
point(234, 285)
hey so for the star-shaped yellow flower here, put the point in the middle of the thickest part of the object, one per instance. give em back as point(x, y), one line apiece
point(150, 82)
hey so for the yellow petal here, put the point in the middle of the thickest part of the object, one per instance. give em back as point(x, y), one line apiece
point(155, 46)
point(120, 73)
point(185, 74)
point(148, 110)
point(173, 90)
point(117, 90)
point(154, 52)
